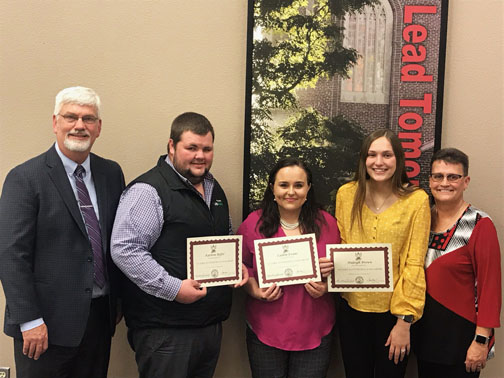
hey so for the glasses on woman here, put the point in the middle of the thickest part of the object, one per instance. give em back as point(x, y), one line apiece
point(450, 177)
point(72, 119)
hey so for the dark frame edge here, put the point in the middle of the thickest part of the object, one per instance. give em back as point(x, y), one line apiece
point(248, 109)
point(441, 74)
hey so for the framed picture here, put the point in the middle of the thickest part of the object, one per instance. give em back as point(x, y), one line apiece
point(323, 74)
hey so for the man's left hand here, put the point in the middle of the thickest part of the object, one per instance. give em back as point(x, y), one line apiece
point(245, 276)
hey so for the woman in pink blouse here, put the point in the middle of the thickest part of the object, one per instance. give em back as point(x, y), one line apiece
point(289, 327)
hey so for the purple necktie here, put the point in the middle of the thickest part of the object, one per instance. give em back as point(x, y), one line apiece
point(92, 226)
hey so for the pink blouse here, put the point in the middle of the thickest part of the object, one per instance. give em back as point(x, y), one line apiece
point(296, 321)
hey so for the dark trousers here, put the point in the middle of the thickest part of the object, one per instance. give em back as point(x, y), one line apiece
point(269, 362)
point(176, 352)
point(362, 337)
point(432, 370)
point(89, 359)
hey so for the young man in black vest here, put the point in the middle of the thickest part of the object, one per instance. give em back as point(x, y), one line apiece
point(174, 325)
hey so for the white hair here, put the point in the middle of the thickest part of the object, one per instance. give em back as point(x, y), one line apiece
point(77, 95)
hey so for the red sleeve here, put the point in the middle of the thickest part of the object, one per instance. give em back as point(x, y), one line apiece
point(484, 245)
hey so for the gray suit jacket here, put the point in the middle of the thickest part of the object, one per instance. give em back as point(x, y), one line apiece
point(46, 265)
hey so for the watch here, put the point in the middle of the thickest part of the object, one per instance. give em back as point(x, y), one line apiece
point(480, 339)
point(406, 318)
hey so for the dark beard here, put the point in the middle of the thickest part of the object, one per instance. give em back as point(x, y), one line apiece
point(195, 180)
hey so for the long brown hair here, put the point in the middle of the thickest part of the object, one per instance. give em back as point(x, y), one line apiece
point(400, 181)
point(310, 217)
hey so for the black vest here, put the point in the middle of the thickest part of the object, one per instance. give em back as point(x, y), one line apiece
point(185, 215)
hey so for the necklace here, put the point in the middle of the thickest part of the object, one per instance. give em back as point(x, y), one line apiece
point(383, 203)
point(289, 226)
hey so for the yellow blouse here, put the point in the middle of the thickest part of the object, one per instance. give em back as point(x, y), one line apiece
point(405, 224)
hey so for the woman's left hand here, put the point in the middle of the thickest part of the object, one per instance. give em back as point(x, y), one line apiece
point(316, 289)
point(476, 357)
point(326, 266)
point(399, 341)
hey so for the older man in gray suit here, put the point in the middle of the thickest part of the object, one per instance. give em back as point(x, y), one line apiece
point(56, 216)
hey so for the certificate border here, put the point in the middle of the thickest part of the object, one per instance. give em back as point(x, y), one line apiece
point(259, 255)
point(345, 248)
point(225, 280)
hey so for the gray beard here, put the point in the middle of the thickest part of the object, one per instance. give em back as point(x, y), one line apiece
point(76, 146)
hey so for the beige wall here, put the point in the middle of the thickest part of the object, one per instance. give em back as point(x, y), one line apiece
point(151, 60)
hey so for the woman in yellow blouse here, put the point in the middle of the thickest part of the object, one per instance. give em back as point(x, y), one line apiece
point(381, 206)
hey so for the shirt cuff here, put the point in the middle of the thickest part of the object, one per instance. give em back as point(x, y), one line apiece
point(172, 289)
point(31, 324)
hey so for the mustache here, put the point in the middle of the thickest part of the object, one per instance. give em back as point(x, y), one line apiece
point(78, 133)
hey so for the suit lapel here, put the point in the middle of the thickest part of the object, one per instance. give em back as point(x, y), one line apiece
point(60, 179)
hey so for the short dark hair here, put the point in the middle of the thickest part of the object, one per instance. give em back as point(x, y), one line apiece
point(189, 121)
point(452, 156)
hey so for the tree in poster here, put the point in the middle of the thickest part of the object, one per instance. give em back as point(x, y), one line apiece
point(299, 43)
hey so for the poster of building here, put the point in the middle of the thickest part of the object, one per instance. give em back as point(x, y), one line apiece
point(323, 74)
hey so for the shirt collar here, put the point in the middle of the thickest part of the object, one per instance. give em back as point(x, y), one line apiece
point(70, 165)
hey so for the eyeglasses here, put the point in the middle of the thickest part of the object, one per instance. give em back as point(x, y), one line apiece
point(451, 177)
point(72, 119)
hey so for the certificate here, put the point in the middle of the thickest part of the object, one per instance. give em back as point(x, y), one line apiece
point(287, 261)
point(360, 267)
point(215, 260)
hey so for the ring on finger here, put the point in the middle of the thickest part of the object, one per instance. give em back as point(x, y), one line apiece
point(403, 351)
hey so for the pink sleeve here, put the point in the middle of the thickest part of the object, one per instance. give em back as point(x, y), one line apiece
point(330, 231)
point(247, 230)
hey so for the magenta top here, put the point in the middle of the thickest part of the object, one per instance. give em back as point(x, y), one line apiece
point(296, 321)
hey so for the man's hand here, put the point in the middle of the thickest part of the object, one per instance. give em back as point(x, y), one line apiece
point(35, 341)
point(190, 292)
point(316, 289)
point(245, 277)
point(399, 341)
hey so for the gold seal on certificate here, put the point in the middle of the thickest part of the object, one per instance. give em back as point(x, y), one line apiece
point(215, 260)
point(287, 261)
point(360, 267)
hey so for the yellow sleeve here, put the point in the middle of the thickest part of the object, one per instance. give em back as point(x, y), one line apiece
point(409, 294)
point(343, 201)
